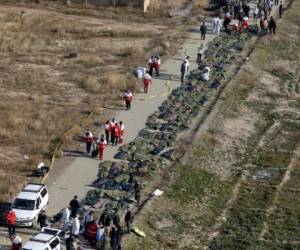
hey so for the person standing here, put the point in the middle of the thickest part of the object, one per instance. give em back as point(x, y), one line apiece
point(102, 145)
point(272, 26)
point(75, 226)
point(280, 9)
point(100, 238)
point(87, 219)
point(183, 70)
point(151, 65)
point(122, 130)
point(70, 242)
point(203, 30)
point(116, 133)
point(74, 205)
point(107, 130)
point(147, 81)
point(113, 238)
point(276, 2)
point(89, 138)
point(128, 99)
point(128, 219)
point(42, 219)
point(200, 53)
point(156, 64)
point(216, 25)
point(66, 219)
point(11, 219)
point(111, 130)
point(255, 14)
point(137, 192)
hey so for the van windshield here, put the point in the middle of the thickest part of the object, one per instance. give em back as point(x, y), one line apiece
point(24, 204)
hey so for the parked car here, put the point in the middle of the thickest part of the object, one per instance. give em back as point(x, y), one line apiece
point(47, 239)
point(29, 203)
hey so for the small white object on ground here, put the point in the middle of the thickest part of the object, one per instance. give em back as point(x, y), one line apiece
point(40, 165)
point(157, 192)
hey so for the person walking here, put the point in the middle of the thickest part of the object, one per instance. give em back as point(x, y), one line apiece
point(107, 130)
point(66, 219)
point(280, 9)
point(122, 130)
point(88, 138)
point(128, 99)
point(147, 81)
point(272, 26)
point(137, 192)
point(11, 219)
point(200, 53)
point(183, 70)
point(217, 25)
point(42, 219)
point(75, 226)
point(74, 205)
point(128, 219)
point(203, 30)
point(102, 145)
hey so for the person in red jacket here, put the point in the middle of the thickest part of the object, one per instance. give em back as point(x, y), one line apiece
point(122, 129)
point(11, 222)
point(92, 232)
point(111, 129)
point(88, 138)
point(116, 133)
point(128, 99)
point(101, 146)
point(147, 81)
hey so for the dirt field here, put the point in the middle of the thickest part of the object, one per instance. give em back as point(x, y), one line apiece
point(238, 188)
point(58, 64)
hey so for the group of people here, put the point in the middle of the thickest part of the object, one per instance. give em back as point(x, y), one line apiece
point(114, 134)
point(106, 230)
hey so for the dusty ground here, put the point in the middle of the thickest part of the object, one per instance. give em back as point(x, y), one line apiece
point(57, 65)
point(238, 187)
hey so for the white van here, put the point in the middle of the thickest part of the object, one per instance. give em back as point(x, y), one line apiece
point(29, 203)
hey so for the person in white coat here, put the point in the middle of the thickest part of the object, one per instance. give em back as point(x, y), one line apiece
point(75, 226)
point(217, 25)
point(66, 219)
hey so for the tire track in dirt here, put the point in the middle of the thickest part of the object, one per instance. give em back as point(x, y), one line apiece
point(279, 187)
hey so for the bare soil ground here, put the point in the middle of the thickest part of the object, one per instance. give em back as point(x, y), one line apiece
point(58, 64)
point(238, 187)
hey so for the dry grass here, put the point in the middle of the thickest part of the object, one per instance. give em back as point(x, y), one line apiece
point(54, 72)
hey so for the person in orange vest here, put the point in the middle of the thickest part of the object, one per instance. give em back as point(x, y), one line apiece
point(128, 99)
point(111, 129)
point(11, 222)
point(122, 128)
point(88, 138)
point(107, 130)
point(101, 146)
point(116, 133)
point(147, 80)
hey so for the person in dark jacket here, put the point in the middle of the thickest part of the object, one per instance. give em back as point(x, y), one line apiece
point(128, 219)
point(272, 26)
point(74, 205)
point(113, 238)
point(280, 9)
point(42, 219)
point(203, 30)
